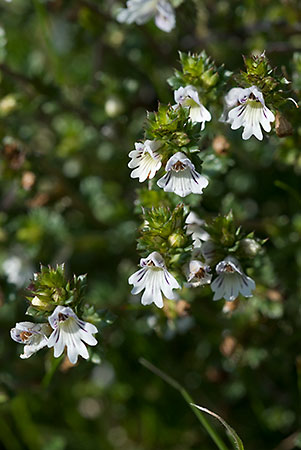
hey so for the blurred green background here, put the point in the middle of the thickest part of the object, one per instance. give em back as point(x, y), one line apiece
point(74, 89)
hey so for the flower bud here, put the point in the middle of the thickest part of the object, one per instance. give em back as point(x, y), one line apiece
point(181, 138)
point(249, 247)
point(209, 77)
point(177, 240)
point(39, 304)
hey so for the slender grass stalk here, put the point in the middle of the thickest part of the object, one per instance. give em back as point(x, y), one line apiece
point(236, 439)
point(200, 416)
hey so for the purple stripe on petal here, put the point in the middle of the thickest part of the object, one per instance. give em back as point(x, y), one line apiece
point(139, 279)
point(243, 108)
point(166, 279)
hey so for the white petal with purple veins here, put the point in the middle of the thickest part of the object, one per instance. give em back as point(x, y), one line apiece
point(231, 281)
point(181, 177)
point(71, 332)
point(154, 279)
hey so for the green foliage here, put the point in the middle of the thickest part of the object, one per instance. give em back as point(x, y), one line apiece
point(173, 128)
point(50, 288)
point(260, 73)
point(200, 71)
point(228, 239)
point(163, 230)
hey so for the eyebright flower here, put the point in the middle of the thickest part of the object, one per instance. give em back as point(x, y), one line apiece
point(181, 177)
point(250, 114)
point(71, 332)
point(153, 278)
point(230, 101)
point(188, 97)
point(231, 281)
point(33, 335)
point(199, 274)
point(141, 11)
point(145, 160)
point(194, 228)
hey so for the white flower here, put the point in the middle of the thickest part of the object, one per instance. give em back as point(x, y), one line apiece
point(250, 114)
point(153, 277)
point(141, 11)
point(231, 281)
point(71, 332)
point(33, 335)
point(181, 177)
point(146, 161)
point(199, 274)
point(231, 100)
point(188, 97)
point(165, 17)
point(194, 228)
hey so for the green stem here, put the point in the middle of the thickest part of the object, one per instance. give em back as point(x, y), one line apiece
point(212, 433)
point(49, 374)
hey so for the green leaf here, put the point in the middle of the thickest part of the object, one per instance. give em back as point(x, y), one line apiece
point(237, 441)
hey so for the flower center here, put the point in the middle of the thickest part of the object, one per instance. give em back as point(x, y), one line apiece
point(62, 317)
point(229, 268)
point(200, 273)
point(25, 335)
point(178, 166)
point(254, 101)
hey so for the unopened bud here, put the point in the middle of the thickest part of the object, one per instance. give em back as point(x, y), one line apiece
point(210, 78)
point(181, 138)
point(177, 240)
point(37, 303)
point(249, 247)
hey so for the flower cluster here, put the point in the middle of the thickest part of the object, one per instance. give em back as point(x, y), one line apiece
point(180, 249)
point(213, 259)
point(181, 176)
point(50, 293)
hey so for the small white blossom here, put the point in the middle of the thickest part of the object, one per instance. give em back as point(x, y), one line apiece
point(199, 274)
point(231, 100)
point(141, 11)
point(251, 113)
point(153, 278)
point(32, 335)
point(71, 332)
point(188, 97)
point(194, 228)
point(146, 161)
point(231, 281)
point(181, 177)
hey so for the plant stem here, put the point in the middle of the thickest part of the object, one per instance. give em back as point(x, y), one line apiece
point(212, 433)
point(49, 374)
